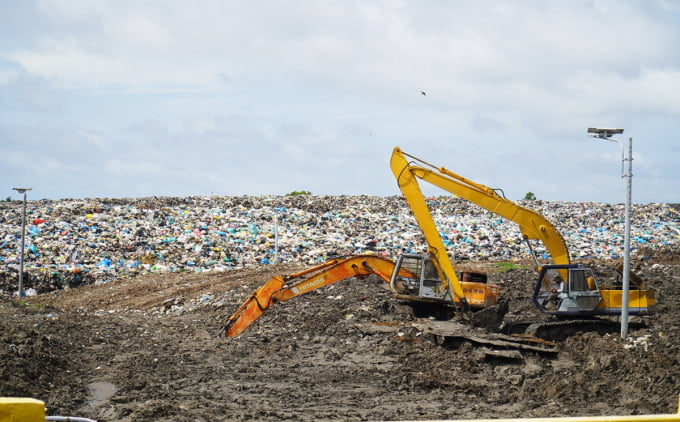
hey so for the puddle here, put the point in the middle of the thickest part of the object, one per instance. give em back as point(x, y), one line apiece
point(100, 393)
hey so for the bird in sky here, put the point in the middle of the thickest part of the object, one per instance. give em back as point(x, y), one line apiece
point(423, 92)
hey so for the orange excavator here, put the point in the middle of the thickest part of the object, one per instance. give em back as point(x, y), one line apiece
point(426, 280)
point(412, 278)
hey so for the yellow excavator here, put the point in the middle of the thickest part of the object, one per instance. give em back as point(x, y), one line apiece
point(563, 289)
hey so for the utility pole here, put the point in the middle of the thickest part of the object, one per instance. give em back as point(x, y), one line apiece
point(626, 251)
point(276, 237)
point(627, 173)
point(23, 241)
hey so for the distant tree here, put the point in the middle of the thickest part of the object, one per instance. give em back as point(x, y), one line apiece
point(8, 199)
point(299, 192)
point(530, 196)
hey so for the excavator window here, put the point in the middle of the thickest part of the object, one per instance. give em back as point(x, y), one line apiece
point(582, 280)
point(407, 285)
point(590, 281)
point(432, 283)
point(552, 281)
point(431, 276)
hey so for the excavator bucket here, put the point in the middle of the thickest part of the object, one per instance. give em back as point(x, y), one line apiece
point(255, 306)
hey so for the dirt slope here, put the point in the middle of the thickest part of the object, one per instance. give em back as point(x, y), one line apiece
point(148, 349)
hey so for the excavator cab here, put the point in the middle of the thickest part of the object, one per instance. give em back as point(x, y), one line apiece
point(426, 285)
point(579, 294)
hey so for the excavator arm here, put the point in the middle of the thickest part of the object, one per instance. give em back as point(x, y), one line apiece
point(532, 225)
point(407, 177)
point(280, 288)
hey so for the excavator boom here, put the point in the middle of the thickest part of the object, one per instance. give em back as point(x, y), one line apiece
point(280, 288)
point(407, 179)
point(533, 225)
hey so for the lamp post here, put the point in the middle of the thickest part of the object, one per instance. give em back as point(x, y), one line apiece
point(276, 237)
point(277, 211)
point(23, 240)
point(627, 173)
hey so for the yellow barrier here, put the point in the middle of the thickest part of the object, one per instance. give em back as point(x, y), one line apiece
point(21, 410)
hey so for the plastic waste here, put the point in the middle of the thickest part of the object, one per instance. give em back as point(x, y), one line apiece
point(136, 236)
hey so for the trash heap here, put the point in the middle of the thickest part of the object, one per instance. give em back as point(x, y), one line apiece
point(79, 241)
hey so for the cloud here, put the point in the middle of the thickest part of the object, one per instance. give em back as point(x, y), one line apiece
point(21, 89)
point(270, 96)
point(484, 123)
point(445, 46)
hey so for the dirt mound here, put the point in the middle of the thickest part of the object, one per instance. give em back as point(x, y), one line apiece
point(147, 349)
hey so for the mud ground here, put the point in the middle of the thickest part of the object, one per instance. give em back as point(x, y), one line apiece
point(149, 349)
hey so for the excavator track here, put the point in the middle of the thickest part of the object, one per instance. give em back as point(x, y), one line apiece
point(561, 330)
point(453, 333)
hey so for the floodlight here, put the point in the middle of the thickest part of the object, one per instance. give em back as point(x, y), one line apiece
point(604, 133)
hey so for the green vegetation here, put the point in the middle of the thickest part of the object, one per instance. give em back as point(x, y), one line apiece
point(507, 266)
point(31, 304)
point(529, 196)
point(298, 192)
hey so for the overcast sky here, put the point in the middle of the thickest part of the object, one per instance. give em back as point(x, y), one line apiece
point(128, 98)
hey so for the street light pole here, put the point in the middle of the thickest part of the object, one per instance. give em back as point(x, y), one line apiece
point(276, 237)
point(627, 173)
point(626, 251)
point(23, 240)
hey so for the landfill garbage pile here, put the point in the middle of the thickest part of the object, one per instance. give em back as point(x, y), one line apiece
point(71, 242)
